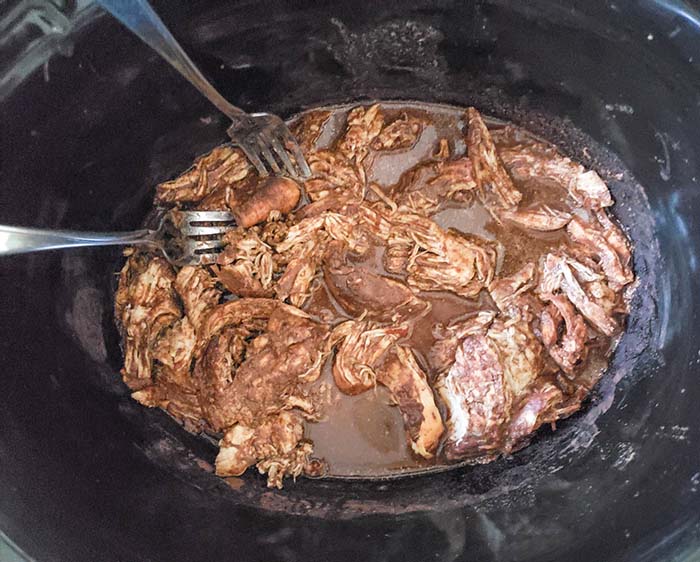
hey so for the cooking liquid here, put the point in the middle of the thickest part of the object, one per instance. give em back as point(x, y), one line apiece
point(363, 436)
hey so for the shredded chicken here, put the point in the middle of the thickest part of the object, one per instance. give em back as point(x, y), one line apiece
point(558, 275)
point(443, 260)
point(400, 134)
point(362, 346)
point(363, 126)
point(219, 169)
point(448, 338)
point(308, 129)
point(275, 445)
point(569, 349)
point(477, 397)
point(409, 389)
point(145, 306)
point(542, 218)
point(327, 288)
point(496, 188)
point(612, 254)
point(536, 160)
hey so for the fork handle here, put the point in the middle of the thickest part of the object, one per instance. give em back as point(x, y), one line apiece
point(140, 18)
point(19, 240)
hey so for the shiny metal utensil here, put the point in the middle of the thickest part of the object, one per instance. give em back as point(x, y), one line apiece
point(263, 137)
point(184, 238)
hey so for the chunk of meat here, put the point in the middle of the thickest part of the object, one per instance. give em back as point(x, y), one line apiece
point(538, 160)
point(542, 218)
point(558, 275)
point(275, 445)
point(361, 292)
point(477, 398)
point(362, 346)
point(198, 293)
point(506, 290)
point(295, 282)
point(246, 264)
point(411, 392)
point(446, 260)
point(363, 126)
point(429, 187)
point(615, 266)
point(520, 353)
point(333, 174)
point(495, 185)
point(569, 349)
point(145, 306)
point(252, 314)
point(545, 403)
point(287, 355)
point(222, 167)
point(401, 133)
point(175, 349)
point(214, 374)
point(172, 397)
point(303, 249)
point(448, 338)
point(253, 201)
point(240, 280)
point(308, 129)
point(615, 237)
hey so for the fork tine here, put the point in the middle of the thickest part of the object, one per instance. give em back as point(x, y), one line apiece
point(206, 230)
point(284, 157)
point(267, 154)
point(202, 246)
point(252, 155)
point(208, 216)
point(292, 144)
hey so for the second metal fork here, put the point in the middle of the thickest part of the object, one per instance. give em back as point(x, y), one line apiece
point(185, 238)
point(263, 137)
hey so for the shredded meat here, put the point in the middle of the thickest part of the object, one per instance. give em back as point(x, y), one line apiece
point(363, 126)
point(362, 346)
point(218, 170)
point(558, 275)
point(409, 389)
point(536, 160)
point(242, 381)
point(448, 338)
point(612, 255)
point(308, 129)
point(362, 292)
point(495, 185)
point(430, 187)
point(543, 218)
point(327, 288)
point(246, 265)
point(477, 397)
point(443, 260)
point(570, 348)
point(400, 134)
point(145, 306)
point(275, 445)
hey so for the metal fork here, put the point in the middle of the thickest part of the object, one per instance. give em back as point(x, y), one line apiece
point(263, 137)
point(184, 238)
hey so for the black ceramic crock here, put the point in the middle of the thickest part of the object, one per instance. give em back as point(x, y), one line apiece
point(88, 475)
